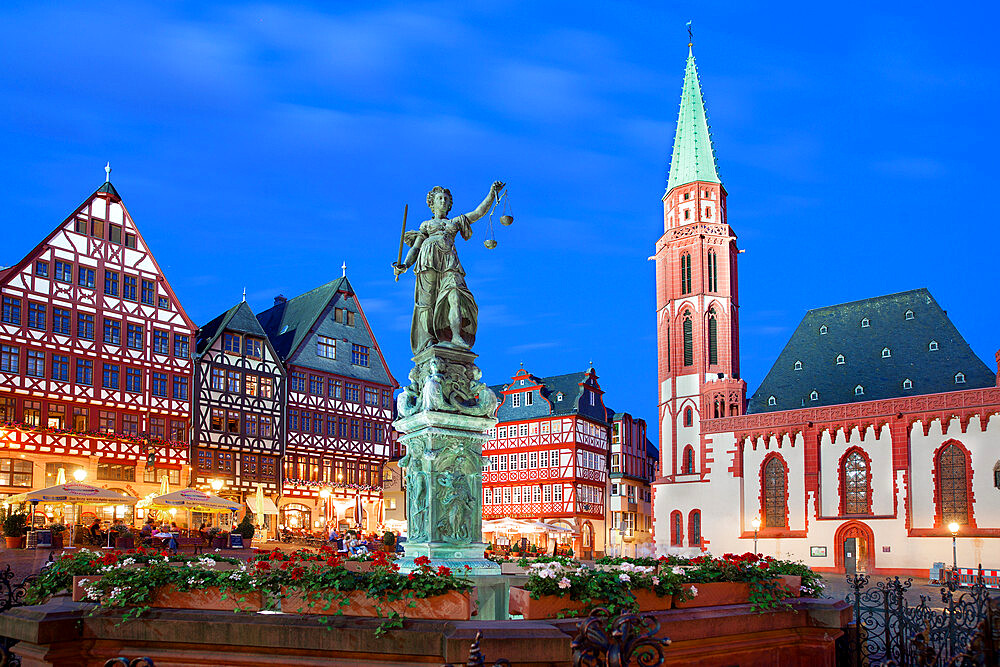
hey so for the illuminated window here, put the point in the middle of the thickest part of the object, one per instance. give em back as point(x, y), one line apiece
point(857, 491)
point(775, 495)
point(953, 485)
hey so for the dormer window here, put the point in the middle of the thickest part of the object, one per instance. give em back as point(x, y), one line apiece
point(907, 383)
point(865, 323)
point(932, 346)
point(771, 400)
point(908, 315)
point(959, 378)
point(798, 365)
point(814, 395)
point(559, 397)
point(886, 353)
point(823, 330)
point(528, 398)
point(593, 399)
point(859, 391)
point(840, 360)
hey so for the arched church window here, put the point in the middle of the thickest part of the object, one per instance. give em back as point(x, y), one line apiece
point(886, 353)
point(857, 488)
point(798, 365)
point(814, 396)
point(840, 360)
point(713, 271)
point(771, 400)
point(694, 528)
point(676, 529)
point(708, 211)
point(859, 390)
point(907, 383)
point(687, 465)
point(688, 416)
point(713, 337)
point(686, 273)
point(865, 323)
point(908, 315)
point(775, 493)
point(932, 346)
point(688, 342)
point(959, 378)
point(953, 485)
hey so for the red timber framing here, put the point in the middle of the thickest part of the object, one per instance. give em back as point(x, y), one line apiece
point(97, 348)
point(238, 419)
point(900, 415)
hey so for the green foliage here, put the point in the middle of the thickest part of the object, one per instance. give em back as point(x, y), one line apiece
point(246, 528)
point(645, 561)
point(14, 524)
point(389, 538)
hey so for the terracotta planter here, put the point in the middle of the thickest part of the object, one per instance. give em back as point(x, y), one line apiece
point(359, 565)
point(57, 540)
point(209, 599)
point(716, 593)
point(13, 542)
point(78, 593)
point(791, 582)
point(550, 606)
point(220, 542)
point(452, 606)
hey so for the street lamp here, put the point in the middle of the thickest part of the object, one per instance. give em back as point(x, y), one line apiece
point(756, 526)
point(216, 485)
point(953, 527)
point(79, 474)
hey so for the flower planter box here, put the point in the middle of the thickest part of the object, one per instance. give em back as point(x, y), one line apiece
point(791, 582)
point(716, 593)
point(220, 542)
point(551, 606)
point(14, 542)
point(79, 594)
point(452, 606)
point(123, 542)
point(359, 565)
point(209, 599)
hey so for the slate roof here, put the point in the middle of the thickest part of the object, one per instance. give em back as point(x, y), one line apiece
point(288, 323)
point(570, 387)
point(908, 342)
point(693, 156)
point(239, 318)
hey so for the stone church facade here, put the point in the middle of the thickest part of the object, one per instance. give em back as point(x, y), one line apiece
point(876, 429)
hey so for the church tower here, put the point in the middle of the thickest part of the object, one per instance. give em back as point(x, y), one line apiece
point(697, 311)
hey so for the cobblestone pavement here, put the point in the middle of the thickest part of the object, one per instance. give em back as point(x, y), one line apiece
point(837, 587)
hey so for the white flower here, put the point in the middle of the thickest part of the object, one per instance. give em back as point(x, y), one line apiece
point(624, 577)
point(564, 583)
point(677, 569)
point(218, 550)
point(694, 591)
point(656, 581)
point(82, 582)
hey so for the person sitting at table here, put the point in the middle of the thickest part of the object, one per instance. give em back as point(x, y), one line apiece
point(146, 532)
point(203, 532)
point(96, 534)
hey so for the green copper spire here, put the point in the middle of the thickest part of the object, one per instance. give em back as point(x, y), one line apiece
point(693, 158)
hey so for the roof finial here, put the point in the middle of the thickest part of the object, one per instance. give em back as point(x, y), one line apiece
point(690, 36)
point(244, 295)
point(107, 170)
point(343, 270)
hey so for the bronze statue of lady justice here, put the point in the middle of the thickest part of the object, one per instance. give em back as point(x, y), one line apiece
point(444, 311)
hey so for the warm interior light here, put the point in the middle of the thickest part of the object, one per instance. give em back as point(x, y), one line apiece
point(80, 474)
point(217, 485)
point(953, 527)
point(324, 493)
point(755, 523)
point(173, 511)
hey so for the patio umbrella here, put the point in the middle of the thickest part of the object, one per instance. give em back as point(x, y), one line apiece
point(164, 485)
point(75, 493)
point(61, 477)
point(195, 500)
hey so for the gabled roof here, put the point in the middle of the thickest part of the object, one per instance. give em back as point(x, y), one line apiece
point(239, 319)
point(288, 323)
point(109, 189)
point(693, 157)
point(908, 342)
point(570, 385)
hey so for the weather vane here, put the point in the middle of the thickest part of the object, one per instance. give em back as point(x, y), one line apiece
point(690, 34)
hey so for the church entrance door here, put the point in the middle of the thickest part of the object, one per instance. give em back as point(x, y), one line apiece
point(855, 543)
point(851, 555)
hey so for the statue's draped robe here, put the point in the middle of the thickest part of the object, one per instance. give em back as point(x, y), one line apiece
point(439, 275)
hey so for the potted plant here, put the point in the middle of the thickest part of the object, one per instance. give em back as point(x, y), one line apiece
point(246, 529)
point(389, 542)
point(58, 530)
point(218, 538)
point(14, 529)
point(732, 579)
point(123, 536)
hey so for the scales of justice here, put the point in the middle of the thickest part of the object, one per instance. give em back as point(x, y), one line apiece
point(445, 412)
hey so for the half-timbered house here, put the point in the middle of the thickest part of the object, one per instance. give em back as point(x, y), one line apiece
point(95, 363)
point(339, 406)
point(237, 414)
point(634, 466)
point(546, 460)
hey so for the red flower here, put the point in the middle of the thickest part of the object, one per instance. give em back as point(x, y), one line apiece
point(421, 560)
point(333, 561)
point(296, 574)
point(444, 571)
point(263, 565)
point(411, 576)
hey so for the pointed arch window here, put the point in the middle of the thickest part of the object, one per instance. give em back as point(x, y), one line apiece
point(713, 271)
point(798, 366)
point(908, 315)
point(959, 378)
point(676, 529)
point(771, 400)
point(840, 360)
point(886, 353)
point(857, 484)
point(953, 485)
point(907, 383)
point(775, 496)
point(688, 341)
point(688, 417)
point(859, 390)
point(713, 337)
point(932, 346)
point(814, 395)
point(687, 463)
point(694, 528)
point(865, 323)
point(686, 273)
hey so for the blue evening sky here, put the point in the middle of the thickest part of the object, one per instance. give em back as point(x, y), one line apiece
point(262, 145)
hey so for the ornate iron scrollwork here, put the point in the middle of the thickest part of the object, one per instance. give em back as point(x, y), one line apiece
point(602, 641)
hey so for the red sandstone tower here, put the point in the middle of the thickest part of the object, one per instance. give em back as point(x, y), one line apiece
point(697, 308)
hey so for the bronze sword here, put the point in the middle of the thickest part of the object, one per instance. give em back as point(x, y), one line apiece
point(402, 233)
